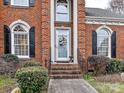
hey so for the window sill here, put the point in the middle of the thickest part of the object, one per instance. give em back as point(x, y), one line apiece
point(19, 7)
point(62, 22)
point(23, 57)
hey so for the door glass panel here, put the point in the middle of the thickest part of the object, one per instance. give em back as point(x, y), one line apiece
point(62, 46)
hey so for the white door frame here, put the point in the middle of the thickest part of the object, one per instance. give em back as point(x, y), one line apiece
point(75, 29)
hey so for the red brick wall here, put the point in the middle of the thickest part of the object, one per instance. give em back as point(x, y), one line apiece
point(32, 16)
point(81, 28)
point(45, 28)
point(39, 16)
point(119, 38)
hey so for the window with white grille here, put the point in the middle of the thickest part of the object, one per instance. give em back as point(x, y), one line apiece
point(103, 42)
point(20, 2)
point(20, 41)
point(62, 10)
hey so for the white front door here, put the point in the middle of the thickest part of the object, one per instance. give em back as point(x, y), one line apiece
point(62, 44)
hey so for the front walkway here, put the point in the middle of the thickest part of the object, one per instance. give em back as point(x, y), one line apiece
point(70, 86)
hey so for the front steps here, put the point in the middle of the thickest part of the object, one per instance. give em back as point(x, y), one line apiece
point(65, 71)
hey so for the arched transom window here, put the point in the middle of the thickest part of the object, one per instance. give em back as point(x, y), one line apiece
point(104, 42)
point(20, 40)
point(62, 10)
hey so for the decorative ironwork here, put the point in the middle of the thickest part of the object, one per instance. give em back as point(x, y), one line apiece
point(62, 1)
point(19, 28)
point(62, 41)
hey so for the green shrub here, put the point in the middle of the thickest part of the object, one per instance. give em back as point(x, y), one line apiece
point(122, 66)
point(10, 58)
point(98, 63)
point(115, 66)
point(87, 76)
point(32, 79)
point(31, 63)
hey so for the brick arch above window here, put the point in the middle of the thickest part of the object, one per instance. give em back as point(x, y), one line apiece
point(19, 22)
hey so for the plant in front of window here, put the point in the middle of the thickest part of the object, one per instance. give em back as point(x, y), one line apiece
point(98, 63)
point(31, 63)
point(115, 66)
point(9, 64)
point(122, 65)
point(11, 58)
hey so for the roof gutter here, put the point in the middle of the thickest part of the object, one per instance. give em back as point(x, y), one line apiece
point(104, 20)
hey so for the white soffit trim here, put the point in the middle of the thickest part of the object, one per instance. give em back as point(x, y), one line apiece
point(104, 20)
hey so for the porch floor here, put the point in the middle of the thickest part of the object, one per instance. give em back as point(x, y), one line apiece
point(70, 86)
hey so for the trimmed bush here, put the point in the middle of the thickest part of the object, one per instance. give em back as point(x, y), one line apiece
point(9, 64)
point(98, 63)
point(32, 79)
point(122, 66)
point(10, 58)
point(31, 63)
point(115, 66)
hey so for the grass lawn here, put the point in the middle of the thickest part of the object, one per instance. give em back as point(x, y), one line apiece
point(6, 84)
point(106, 87)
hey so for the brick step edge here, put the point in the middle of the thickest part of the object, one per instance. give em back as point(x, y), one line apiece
point(65, 68)
point(66, 76)
point(65, 72)
point(64, 65)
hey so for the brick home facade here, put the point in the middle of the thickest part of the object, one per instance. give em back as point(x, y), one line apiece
point(40, 15)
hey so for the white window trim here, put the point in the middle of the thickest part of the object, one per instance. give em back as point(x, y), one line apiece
point(12, 3)
point(69, 11)
point(27, 28)
point(110, 33)
point(75, 30)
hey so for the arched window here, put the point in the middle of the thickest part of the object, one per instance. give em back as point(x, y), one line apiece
point(62, 10)
point(20, 40)
point(104, 42)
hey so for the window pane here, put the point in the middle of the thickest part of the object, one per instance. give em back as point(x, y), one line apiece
point(21, 2)
point(20, 43)
point(103, 32)
point(103, 42)
point(62, 10)
point(62, 17)
point(62, 46)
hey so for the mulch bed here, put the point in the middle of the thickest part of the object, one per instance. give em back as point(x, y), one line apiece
point(113, 78)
